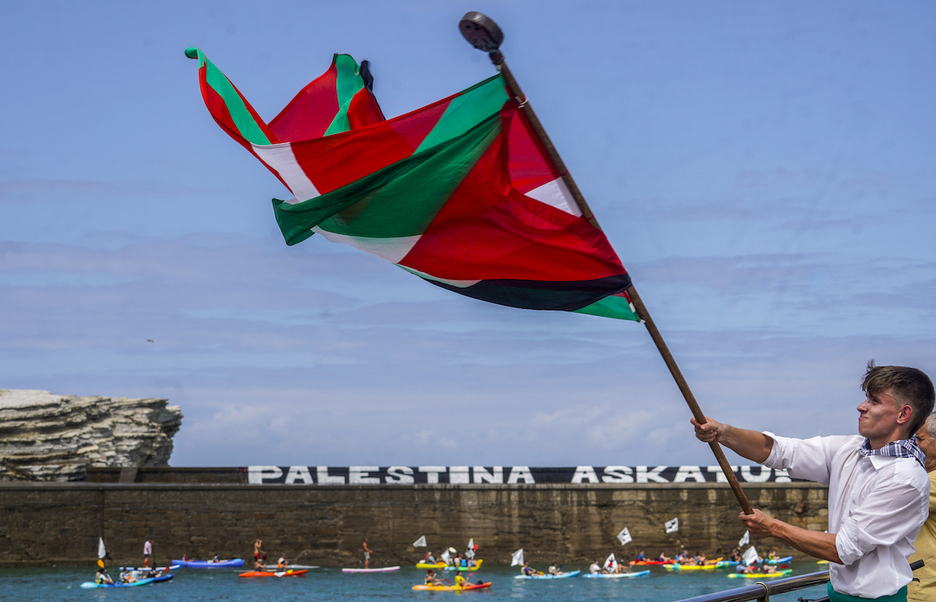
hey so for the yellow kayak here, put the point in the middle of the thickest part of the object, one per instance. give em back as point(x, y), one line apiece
point(782, 573)
point(451, 588)
point(696, 567)
point(441, 566)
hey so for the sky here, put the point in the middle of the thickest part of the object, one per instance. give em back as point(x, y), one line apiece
point(764, 171)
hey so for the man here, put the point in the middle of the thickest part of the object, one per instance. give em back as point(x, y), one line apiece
point(924, 590)
point(367, 553)
point(878, 488)
point(147, 552)
point(258, 549)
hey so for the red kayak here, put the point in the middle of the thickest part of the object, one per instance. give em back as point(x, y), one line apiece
point(286, 573)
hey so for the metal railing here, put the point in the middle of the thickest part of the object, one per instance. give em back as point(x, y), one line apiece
point(763, 590)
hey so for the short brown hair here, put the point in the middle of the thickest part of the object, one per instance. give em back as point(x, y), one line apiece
point(908, 386)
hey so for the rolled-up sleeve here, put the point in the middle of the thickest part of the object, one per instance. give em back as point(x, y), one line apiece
point(891, 513)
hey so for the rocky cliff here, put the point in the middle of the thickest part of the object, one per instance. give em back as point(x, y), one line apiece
point(48, 437)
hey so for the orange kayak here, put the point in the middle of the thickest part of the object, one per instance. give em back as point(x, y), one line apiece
point(287, 573)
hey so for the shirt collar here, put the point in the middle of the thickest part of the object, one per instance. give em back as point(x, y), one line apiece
point(904, 448)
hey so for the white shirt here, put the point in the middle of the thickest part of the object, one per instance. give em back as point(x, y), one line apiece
point(876, 507)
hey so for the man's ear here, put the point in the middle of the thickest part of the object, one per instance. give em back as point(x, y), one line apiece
point(904, 414)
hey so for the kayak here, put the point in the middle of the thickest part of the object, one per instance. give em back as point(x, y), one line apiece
point(649, 562)
point(783, 560)
point(286, 573)
point(158, 569)
point(616, 575)
point(441, 566)
point(696, 567)
point(383, 569)
point(781, 573)
point(303, 566)
point(210, 564)
point(451, 588)
point(92, 585)
point(562, 576)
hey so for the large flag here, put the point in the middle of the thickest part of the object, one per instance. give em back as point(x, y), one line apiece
point(750, 556)
point(460, 193)
point(672, 525)
point(624, 536)
point(420, 543)
point(516, 558)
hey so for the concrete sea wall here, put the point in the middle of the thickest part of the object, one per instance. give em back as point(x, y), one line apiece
point(203, 512)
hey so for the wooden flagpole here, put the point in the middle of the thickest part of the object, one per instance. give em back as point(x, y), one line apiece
point(484, 34)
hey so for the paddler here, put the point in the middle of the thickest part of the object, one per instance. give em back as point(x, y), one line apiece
point(459, 580)
point(431, 578)
point(101, 577)
point(878, 486)
point(281, 564)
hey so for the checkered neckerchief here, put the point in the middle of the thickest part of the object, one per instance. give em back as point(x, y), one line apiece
point(905, 448)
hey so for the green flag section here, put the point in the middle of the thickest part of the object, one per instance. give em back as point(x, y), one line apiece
point(459, 192)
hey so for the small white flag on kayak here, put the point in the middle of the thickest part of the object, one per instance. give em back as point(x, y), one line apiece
point(750, 556)
point(610, 563)
point(469, 553)
point(624, 536)
point(420, 543)
point(516, 558)
point(745, 539)
point(101, 552)
point(672, 525)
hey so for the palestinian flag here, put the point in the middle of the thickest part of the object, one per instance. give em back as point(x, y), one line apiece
point(460, 192)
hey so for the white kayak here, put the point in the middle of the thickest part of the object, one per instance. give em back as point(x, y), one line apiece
point(616, 575)
point(562, 576)
point(383, 569)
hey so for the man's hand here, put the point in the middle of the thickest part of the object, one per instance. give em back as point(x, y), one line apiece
point(759, 524)
point(710, 431)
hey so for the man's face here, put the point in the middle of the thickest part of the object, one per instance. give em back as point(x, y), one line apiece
point(879, 419)
point(928, 445)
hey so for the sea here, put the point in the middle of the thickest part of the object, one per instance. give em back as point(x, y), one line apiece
point(63, 584)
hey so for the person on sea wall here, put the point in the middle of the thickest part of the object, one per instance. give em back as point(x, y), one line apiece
point(924, 590)
point(147, 552)
point(878, 487)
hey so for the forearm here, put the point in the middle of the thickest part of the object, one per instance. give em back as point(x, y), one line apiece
point(814, 543)
point(749, 444)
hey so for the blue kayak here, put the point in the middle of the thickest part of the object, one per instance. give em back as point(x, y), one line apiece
point(139, 582)
point(783, 560)
point(562, 576)
point(616, 575)
point(210, 564)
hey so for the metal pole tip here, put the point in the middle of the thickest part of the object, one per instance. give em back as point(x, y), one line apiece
point(481, 31)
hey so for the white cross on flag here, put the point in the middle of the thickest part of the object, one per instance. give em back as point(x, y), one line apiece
point(672, 525)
